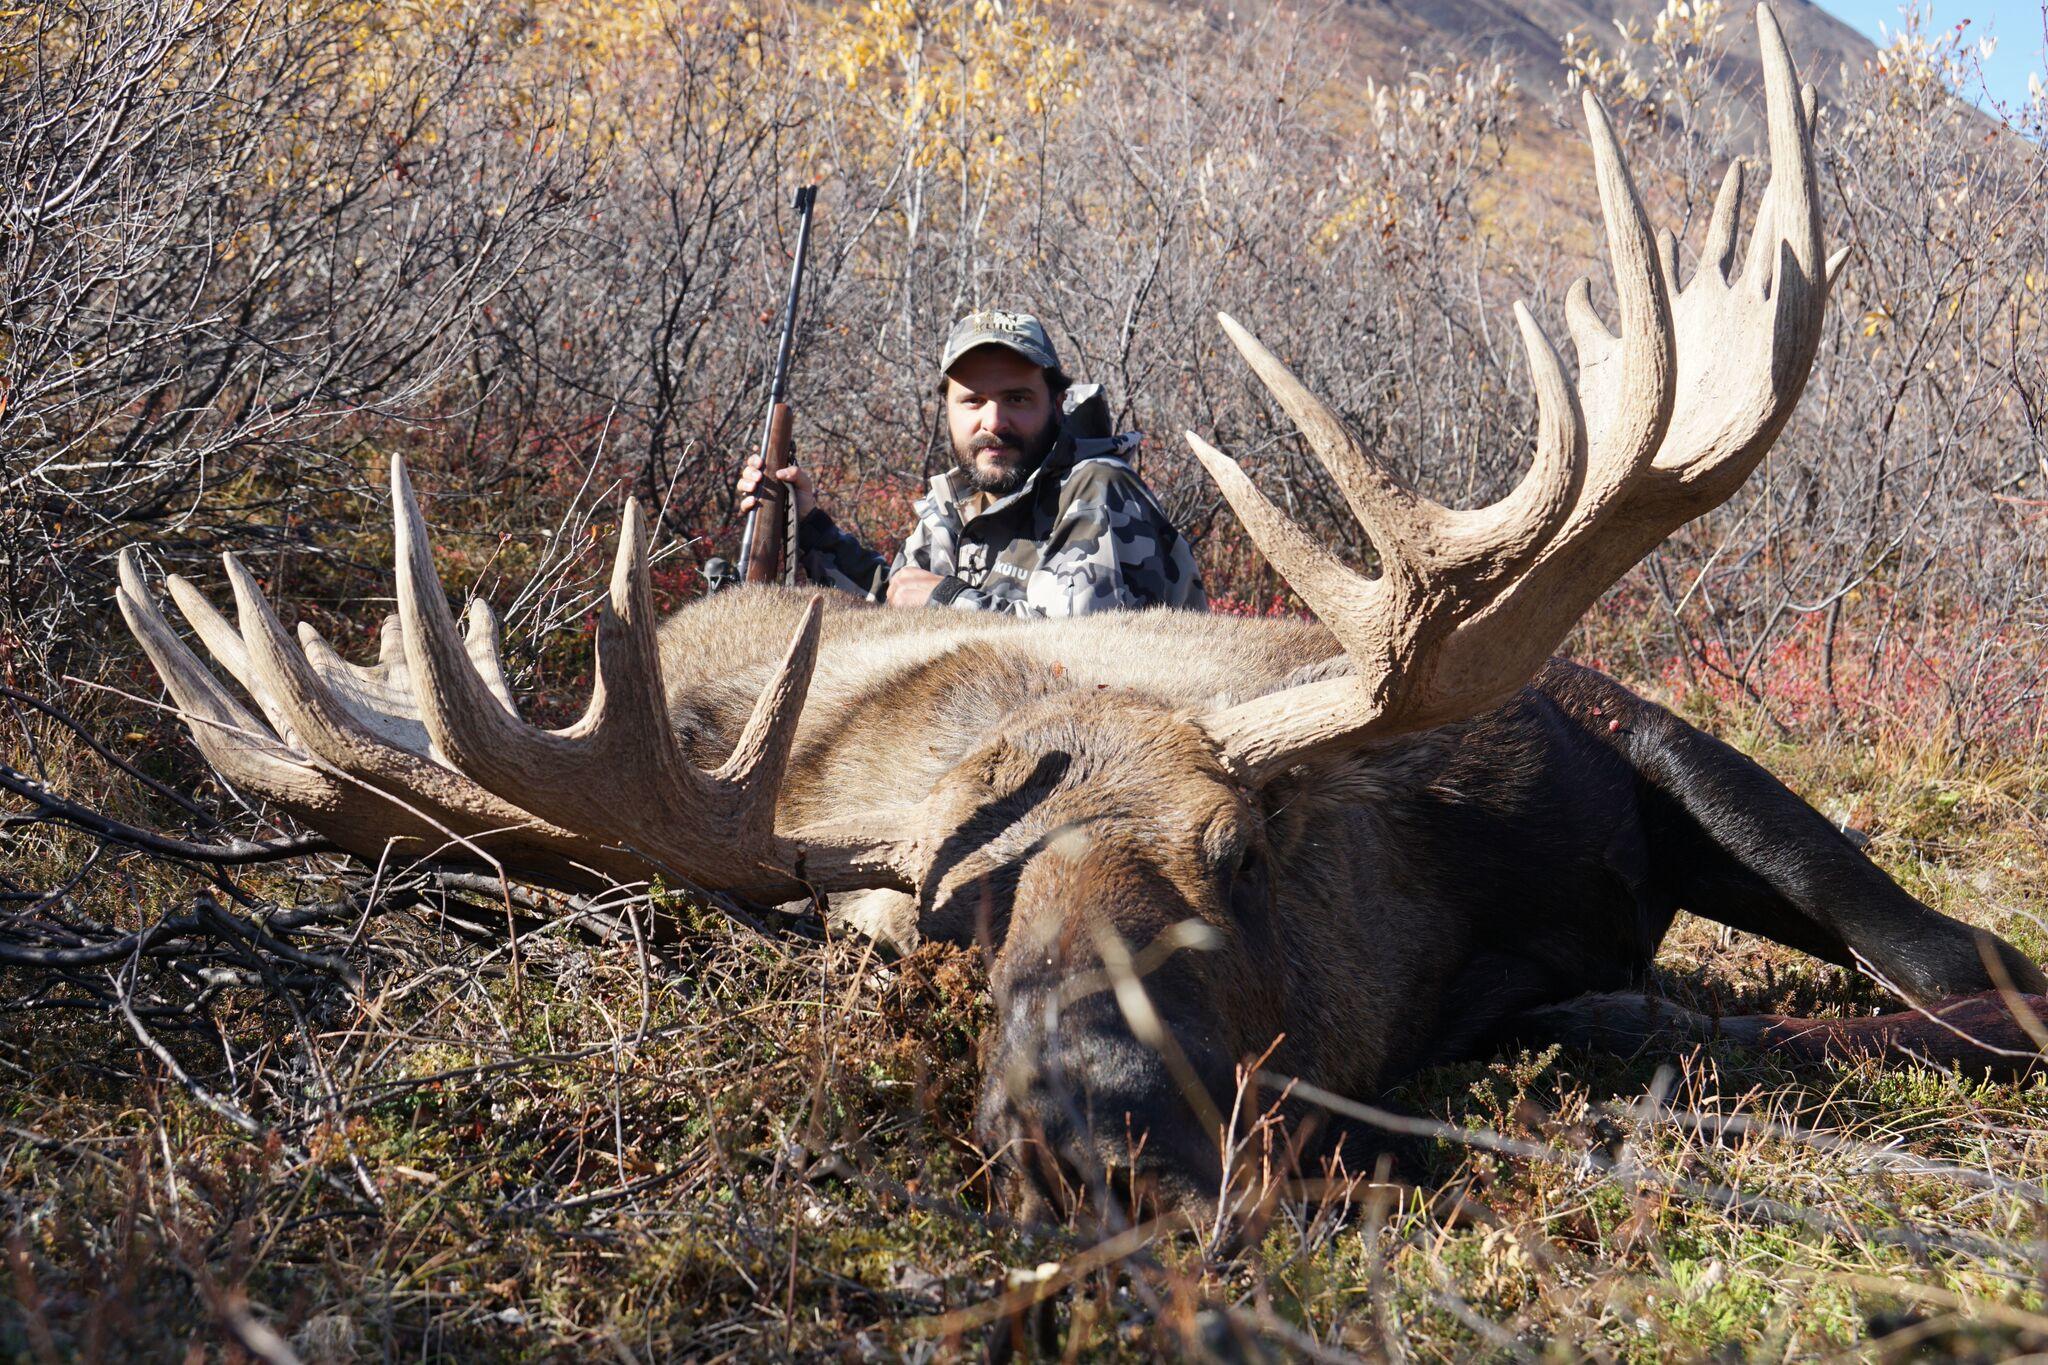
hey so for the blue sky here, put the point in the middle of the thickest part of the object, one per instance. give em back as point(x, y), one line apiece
point(2017, 24)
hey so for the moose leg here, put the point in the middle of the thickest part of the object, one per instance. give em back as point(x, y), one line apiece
point(1993, 1033)
point(1730, 842)
point(888, 917)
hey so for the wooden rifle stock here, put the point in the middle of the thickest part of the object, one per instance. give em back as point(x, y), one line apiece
point(769, 530)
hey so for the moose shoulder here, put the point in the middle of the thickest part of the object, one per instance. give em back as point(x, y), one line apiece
point(1359, 846)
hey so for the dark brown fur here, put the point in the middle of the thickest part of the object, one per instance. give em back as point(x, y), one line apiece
point(1411, 904)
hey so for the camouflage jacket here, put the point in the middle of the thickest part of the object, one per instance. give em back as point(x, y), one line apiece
point(1082, 534)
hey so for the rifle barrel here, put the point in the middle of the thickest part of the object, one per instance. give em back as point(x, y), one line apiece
point(805, 198)
point(765, 554)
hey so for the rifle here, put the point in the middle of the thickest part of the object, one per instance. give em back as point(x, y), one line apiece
point(768, 548)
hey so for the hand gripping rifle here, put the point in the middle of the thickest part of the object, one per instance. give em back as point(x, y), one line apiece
point(768, 549)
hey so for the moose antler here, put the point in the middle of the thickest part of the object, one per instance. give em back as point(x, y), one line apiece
point(1666, 420)
point(425, 752)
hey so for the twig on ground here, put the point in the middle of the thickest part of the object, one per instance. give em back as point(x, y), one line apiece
point(231, 853)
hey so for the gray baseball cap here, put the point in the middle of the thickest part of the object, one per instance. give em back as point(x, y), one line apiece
point(1020, 332)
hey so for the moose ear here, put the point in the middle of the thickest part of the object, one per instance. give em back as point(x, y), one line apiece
point(1369, 777)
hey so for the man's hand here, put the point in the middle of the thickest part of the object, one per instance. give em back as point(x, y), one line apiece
point(796, 476)
point(911, 587)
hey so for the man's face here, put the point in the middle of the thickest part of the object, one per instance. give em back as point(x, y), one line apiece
point(1001, 417)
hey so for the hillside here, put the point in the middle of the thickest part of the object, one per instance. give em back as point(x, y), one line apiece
point(1546, 180)
point(1527, 35)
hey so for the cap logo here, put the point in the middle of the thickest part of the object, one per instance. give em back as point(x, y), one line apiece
point(997, 321)
point(1019, 332)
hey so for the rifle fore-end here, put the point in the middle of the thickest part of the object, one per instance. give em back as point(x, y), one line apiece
point(768, 526)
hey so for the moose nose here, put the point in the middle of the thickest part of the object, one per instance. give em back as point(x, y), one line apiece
point(1084, 1114)
point(1106, 1065)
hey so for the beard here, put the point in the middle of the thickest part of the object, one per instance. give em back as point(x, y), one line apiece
point(998, 467)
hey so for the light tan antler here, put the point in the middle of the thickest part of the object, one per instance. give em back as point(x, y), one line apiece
point(425, 754)
point(1665, 422)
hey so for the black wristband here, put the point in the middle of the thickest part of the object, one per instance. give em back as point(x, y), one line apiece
point(946, 589)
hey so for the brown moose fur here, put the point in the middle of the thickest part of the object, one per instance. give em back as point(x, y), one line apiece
point(1073, 805)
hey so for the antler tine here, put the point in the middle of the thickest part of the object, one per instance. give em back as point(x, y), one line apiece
point(617, 775)
point(1390, 512)
point(280, 671)
point(1416, 536)
point(224, 644)
point(1641, 307)
point(860, 852)
point(1499, 541)
point(467, 727)
point(484, 639)
point(1355, 607)
point(761, 756)
point(575, 776)
point(1791, 204)
point(1625, 381)
point(1717, 253)
point(240, 747)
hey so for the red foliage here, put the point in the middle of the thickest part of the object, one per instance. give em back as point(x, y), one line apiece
point(1960, 674)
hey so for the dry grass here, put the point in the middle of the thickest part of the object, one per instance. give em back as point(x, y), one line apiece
point(760, 1147)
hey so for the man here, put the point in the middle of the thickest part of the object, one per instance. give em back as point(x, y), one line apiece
point(1041, 517)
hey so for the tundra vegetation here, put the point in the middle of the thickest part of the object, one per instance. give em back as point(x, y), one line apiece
point(300, 1109)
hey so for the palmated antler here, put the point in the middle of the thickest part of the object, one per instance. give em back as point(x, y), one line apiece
point(1666, 420)
point(424, 753)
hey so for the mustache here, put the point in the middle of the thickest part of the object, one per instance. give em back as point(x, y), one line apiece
point(988, 440)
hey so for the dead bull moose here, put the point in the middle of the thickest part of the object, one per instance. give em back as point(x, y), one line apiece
point(1387, 840)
